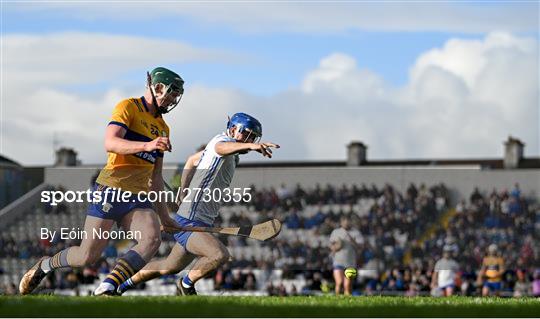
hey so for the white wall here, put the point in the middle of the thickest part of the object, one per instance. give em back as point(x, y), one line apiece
point(461, 181)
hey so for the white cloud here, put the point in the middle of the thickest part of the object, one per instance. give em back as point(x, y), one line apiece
point(35, 117)
point(470, 95)
point(37, 68)
point(468, 58)
point(462, 100)
point(81, 57)
point(451, 107)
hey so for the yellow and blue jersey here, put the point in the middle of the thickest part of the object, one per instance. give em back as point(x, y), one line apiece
point(493, 265)
point(133, 172)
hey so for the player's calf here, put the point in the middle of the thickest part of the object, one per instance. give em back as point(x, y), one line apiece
point(148, 246)
point(205, 264)
point(144, 222)
point(177, 260)
point(79, 257)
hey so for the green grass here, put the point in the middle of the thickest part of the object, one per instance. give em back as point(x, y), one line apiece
point(327, 306)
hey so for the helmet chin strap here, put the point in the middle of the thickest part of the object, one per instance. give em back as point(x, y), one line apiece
point(154, 101)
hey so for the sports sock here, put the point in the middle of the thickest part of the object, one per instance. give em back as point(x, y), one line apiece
point(126, 285)
point(125, 268)
point(186, 282)
point(59, 260)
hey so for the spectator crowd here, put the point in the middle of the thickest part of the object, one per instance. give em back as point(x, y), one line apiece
point(402, 236)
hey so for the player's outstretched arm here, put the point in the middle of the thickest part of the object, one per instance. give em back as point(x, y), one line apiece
point(264, 148)
point(115, 142)
point(228, 148)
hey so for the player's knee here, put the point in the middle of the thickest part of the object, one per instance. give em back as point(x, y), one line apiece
point(221, 256)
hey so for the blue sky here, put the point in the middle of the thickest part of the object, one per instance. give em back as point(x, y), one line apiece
point(257, 53)
point(281, 58)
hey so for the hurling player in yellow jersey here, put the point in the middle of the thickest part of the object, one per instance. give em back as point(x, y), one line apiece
point(491, 272)
point(135, 139)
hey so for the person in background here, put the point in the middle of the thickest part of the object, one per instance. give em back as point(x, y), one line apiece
point(523, 286)
point(343, 245)
point(444, 273)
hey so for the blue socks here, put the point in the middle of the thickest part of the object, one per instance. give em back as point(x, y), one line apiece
point(186, 282)
point(126, 285)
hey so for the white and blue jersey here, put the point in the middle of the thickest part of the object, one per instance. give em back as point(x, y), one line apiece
point(213, 172)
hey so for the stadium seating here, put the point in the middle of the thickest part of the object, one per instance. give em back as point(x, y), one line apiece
point(298, 261)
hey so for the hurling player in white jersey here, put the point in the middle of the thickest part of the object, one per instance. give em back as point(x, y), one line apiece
point(215, 167)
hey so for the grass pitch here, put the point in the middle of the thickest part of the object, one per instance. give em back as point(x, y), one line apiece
point(326, 306)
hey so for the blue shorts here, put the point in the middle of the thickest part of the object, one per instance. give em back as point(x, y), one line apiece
point(114, 209)
point(183, 236)
point(339, 267)
point(448, 286)
point(493, 286)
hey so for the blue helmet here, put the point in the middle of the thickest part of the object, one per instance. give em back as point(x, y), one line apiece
point(243, 122)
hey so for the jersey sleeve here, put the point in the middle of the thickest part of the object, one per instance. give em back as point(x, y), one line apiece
point(437, 266)
point(122, 115)
point(211, 147)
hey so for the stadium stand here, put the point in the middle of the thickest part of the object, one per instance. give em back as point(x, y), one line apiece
point(402, 236)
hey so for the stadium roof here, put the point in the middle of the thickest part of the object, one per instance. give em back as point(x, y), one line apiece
point(4, 161)
point(357, 157)
point(485, 163)
point(481, 163)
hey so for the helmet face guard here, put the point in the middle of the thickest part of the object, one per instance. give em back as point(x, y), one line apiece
point(171, 92)
point(251, 137)
point(173, 88)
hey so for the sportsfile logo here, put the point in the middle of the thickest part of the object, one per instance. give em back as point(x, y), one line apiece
point(117, 195)
point(91, 196)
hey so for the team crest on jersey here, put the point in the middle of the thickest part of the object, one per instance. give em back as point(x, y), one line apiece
point(107, 207)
